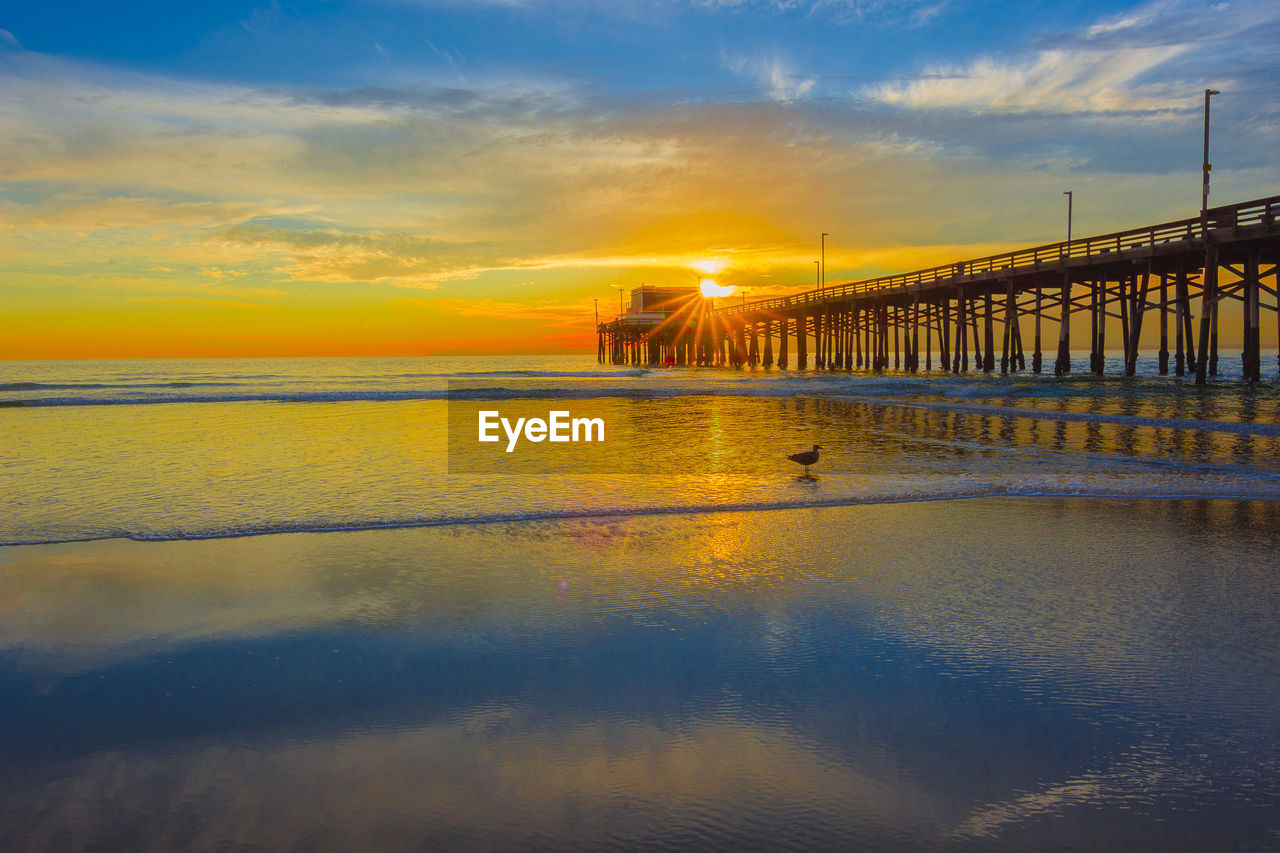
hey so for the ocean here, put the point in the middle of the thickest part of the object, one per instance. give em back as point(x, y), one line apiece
point(296, 603)
point(208, 448)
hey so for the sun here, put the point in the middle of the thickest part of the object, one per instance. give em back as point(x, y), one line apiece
point(710, 288)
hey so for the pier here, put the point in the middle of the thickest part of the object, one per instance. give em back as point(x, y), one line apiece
point(1167, 279)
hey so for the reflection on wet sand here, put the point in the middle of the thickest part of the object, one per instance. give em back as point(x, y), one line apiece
point(488, 779)
point(1002, 673)
point(61, 602)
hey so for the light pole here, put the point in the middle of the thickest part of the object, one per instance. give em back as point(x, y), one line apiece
point(1207, 167)
point(620, 290)
point(817, 276)
point(1209, 287)
point(1063, 364)
point(822, 281)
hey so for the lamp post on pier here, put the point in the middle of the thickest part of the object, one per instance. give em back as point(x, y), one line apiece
point(822, 278)
point(1209, 287)
point(1206, 167)
point(1063, 364)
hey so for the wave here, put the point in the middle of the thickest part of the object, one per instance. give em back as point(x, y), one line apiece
point(499, 518)
point(480, 392)
point(1055, 488)
point(545, 374)
point(349, 396)
point(77, 386)
point(635, 372)
point(866, 393)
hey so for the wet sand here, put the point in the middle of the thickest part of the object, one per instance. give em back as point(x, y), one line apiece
point(973, 674)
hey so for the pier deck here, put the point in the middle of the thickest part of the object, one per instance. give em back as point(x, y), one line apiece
point(1173, 269)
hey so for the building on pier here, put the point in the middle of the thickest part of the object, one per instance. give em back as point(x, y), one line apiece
point(655, 317)
point(650, 305)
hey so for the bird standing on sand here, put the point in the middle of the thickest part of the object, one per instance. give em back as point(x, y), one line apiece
point(809, 457)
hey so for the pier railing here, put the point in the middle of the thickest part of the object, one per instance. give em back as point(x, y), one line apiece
point(1263, 212)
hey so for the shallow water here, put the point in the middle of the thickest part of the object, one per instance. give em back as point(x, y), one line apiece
point(195, 449)
point(1003, 674)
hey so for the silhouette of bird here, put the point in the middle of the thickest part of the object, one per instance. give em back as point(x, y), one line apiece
point(809, 457)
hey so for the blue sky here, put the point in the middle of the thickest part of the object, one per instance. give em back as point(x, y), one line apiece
point(632, 44)
point(222, 165)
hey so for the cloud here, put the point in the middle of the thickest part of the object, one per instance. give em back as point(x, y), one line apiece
point(1127, 22)
point(772, 74)
point(263, 20)
point(334, 255)
point(1236, 25)
point(84, 213)
point(783, 85)
point(1056, 81)
point(1155, 58)
point(216, 272)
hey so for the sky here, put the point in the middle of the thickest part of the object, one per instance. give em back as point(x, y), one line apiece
point(418, 177)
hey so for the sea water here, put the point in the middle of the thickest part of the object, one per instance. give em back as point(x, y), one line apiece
point(206, 448)
point(1000, 613)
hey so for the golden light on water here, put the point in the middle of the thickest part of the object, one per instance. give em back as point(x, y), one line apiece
point(710, 288)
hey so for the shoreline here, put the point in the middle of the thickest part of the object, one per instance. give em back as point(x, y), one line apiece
point(645, 512)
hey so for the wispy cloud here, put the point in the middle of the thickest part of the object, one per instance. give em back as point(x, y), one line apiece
point(332, 255)
point(773, 75)
point(1055, 81)
point(262, 20)
point(1238, 25)
point(79, 212)
point(1152, 58)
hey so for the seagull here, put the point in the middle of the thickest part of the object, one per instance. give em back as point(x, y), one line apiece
point(809, 457)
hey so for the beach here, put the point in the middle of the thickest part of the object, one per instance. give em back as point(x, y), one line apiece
point(966, 674)
point(292, 603)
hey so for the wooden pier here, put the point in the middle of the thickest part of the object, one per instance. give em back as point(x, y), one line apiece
point(970, 314)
